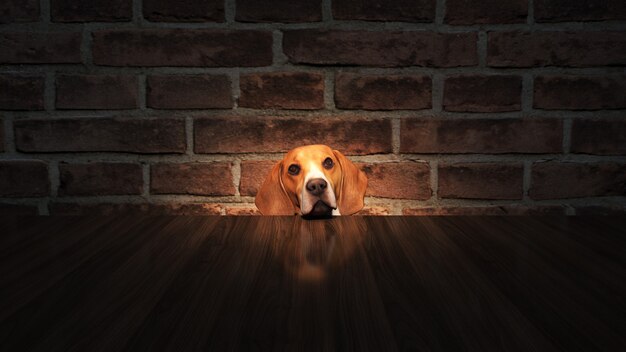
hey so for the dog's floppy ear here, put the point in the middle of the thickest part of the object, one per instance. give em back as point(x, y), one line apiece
point(272, 199)
point(352, 187)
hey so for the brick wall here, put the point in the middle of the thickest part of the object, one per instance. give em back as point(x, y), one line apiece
point(181, 107)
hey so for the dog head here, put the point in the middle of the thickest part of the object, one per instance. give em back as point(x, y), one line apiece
point(312, 180)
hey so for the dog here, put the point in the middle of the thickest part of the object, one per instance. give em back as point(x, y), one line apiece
point(312, 181)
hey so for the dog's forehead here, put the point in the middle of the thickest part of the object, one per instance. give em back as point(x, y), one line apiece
point(309, 152)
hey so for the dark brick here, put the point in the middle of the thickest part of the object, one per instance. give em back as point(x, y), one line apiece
point(479, 93)
point(101, 135)
point(284, 90)
point(18, 209)
point(604, 210)
point(587, 10)
point(96, 92)
point(208, 179)
point(253, 174)
point(286, 11)
point(21, 92)
point(403, 180)
point(184, 11)
point(40, 48)
point(558, 180)
point(554, 92)
point(383, 49)
point(486, 210)
point(481, 180)
point(599, 136)
point(182, 47)
point(24, 178)
point(567, 49)
point(380, 10)
point(19, 11)
point(486, 136)
point(353, 136)
point(189, 92)
point(383, 92)
point(485, 11)
point(151, 209)
point(92, 10)
point(97, 179)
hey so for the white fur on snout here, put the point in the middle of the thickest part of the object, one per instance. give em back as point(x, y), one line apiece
point(308, 200)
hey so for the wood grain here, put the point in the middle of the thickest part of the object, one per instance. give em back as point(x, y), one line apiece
point(284, 283)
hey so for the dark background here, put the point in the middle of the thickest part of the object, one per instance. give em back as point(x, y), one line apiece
point(181, 107)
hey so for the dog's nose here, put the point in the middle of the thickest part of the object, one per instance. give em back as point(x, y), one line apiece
point(316, 186)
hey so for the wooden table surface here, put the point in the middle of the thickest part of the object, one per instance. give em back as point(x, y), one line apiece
point(284, 283)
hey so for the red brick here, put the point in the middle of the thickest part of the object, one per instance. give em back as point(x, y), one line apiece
point(383, 49)
point(485, 136)
point(485, 11)
point(97, 179)
point(568, 49)
point(239, 211)
point(208, 179)
point(286, 11)
point(24, 178)
point(284, 90)
point(21, 92)
point(373, 211)
point(40, 48)
point(580, 92)
point(19, 11)
point(96, 92)
point(184, 11)
point(182, 47)
point(487, 210)
point(383, 92)
point(599, 136)
point(612, 210)
point(480, 180)
point(402, 180)
point(389, 10)
point(479, 93)
point(558, 180)
point(351, 136)
point(101, 135)
point(151, 209)
point(18, 209)
point(253, 174)
point(588, 10)
point(93, 10)
point(189, 92)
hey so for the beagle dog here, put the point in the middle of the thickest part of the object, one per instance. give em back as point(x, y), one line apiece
point(312, 180)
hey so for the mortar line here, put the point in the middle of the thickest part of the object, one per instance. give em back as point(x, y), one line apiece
point(440, 13)
point(146, 180)
point(49, 94)
point(236, 172)
point(54, 175)
point(230, 11)
point(327, 11)
point(329, 90)
point(567, 135)
point(189, 137)
point(526, 180)
point(396, 124)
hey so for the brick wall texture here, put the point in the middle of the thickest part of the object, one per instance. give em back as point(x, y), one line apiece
point(450, 107)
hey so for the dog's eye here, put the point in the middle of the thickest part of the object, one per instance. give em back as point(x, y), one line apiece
point(328, 163)
point(293, 169)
